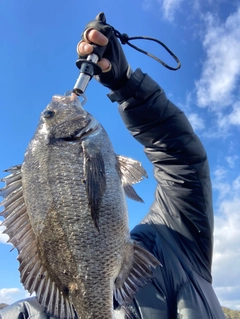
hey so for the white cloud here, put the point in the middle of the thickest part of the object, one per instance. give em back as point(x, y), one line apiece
point(231, 160)
point(196, 121)
point(167, 7)
point(229, 296)
point(226, 257)
point(170, 7)
point(234, 116)
point(220, 182)
point(230, 117)
point(221, 69)
point(3, 237)
point(9, 295)
point(236, 185)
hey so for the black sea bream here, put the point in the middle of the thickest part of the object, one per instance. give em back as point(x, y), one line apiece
point(65, 212)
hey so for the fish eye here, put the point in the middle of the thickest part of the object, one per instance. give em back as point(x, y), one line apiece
point(48, 114)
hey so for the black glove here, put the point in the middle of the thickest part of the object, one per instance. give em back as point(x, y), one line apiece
point(118, 75)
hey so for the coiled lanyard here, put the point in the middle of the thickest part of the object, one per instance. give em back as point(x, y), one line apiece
point(124, 38)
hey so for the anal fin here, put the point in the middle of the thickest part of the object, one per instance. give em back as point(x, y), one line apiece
point(135, 272)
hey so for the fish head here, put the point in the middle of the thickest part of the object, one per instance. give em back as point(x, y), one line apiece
point(64, 120)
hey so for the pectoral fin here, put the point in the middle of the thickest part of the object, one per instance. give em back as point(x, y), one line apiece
point(136, 271)
point(95, 178)
point(131, 172)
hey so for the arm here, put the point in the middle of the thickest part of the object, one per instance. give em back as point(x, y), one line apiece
point(180, 164)
point(25, 309)
point(183, 195)
point(182, 211)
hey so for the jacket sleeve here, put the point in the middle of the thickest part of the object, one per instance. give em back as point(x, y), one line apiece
point(24, 309)
point(183, 199)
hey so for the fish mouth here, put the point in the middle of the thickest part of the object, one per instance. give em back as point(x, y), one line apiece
point(92, 128)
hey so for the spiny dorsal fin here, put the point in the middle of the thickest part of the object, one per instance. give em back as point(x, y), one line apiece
point(18, 227)
point(131, 172)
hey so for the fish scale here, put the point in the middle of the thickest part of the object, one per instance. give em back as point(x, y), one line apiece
point(71, 165)
point(76, 252)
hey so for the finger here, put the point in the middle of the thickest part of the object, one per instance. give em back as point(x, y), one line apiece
point(105, 65)
point(94, 36)
point(84, 48)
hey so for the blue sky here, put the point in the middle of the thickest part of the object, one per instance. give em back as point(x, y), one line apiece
point(37, 60)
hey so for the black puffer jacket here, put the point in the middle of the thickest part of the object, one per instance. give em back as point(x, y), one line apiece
point(178, 229)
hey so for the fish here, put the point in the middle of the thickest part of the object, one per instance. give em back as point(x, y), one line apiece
point(65, 212)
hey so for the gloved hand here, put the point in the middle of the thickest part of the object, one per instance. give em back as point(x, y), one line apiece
point(114, 65)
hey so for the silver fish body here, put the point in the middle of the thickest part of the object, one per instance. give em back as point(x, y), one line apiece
point(65, 212)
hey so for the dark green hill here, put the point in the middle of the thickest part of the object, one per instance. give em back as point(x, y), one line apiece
point(231, 314)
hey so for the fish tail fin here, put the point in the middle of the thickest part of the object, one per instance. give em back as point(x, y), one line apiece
point(137, 269)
